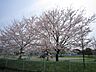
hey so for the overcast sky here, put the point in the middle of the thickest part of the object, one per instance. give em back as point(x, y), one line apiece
point(16, 9)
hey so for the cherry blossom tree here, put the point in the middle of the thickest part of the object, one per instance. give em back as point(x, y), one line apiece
point(19, 37)
point(59, 27)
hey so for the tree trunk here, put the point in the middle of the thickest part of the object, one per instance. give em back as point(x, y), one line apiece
point(83, 58)
point(47, 58)
point(57, 57)
point(47, 54)
point(20, 54)
point(82, 46)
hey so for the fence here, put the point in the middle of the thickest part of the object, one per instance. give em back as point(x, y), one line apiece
point(67, 65)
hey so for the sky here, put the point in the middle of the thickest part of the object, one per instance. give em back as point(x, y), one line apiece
point(17, 9)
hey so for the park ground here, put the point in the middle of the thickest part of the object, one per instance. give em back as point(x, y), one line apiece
point(36, 64)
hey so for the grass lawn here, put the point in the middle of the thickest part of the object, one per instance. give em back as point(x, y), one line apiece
point(77, 58)
point(10, 65)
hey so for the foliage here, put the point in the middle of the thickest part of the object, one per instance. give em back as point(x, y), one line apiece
point(88, 51)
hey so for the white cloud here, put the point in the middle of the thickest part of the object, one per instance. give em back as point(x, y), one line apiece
point(89, 5)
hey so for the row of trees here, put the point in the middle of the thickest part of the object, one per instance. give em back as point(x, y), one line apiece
point(87, 51)
point(54, 30)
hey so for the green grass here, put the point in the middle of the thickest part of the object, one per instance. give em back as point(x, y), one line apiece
point(78, 58)
point(46, 66)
